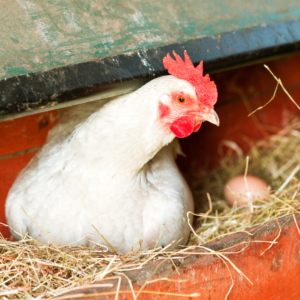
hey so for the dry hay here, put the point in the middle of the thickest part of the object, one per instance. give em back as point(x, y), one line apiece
point(30, 269)
point(276, 160)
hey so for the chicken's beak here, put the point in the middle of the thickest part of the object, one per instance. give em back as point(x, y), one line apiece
point(212, 117)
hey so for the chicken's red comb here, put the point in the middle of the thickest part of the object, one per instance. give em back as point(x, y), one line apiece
point(206, 90)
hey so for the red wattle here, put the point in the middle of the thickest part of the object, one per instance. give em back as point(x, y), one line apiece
point(197, 127)
point(183, 126)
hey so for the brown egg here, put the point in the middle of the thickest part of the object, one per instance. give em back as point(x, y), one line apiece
point(235, 189)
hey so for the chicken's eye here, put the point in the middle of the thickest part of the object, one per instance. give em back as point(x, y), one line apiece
point(205, 109)
point(181, 99)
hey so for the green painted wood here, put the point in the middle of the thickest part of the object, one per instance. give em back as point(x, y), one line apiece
point(38, 35)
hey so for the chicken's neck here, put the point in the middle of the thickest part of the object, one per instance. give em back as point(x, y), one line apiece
point(124, 135)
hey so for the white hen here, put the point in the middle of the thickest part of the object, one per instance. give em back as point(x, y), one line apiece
point(110, 167)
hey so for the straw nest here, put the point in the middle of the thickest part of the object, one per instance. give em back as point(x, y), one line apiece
point(276, 160)
point(30, 269)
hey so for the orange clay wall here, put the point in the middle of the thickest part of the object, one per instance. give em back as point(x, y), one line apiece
point(240, 91)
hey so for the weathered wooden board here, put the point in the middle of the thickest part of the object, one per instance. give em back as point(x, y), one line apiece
point(62, 53)
point(42, 34)
point(116, 75)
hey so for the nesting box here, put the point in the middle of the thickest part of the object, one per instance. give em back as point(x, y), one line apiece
point(34, 94)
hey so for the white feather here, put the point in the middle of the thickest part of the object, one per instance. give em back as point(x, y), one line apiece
point(109, 167)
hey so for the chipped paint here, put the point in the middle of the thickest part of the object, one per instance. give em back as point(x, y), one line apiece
point(26, 4)
point(144, 61)
point(42, 31)
point(50, 33)
point(139, 18)
point(72, 21)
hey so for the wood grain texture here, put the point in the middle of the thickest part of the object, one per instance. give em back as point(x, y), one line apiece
point(25, 133)
point(42, 34)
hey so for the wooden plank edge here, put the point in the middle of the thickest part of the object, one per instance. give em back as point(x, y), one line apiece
point(101, 78)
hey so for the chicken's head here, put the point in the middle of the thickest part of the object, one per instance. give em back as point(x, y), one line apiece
point(191, 99)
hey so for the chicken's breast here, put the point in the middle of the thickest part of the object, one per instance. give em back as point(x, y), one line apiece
point(105, 168)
